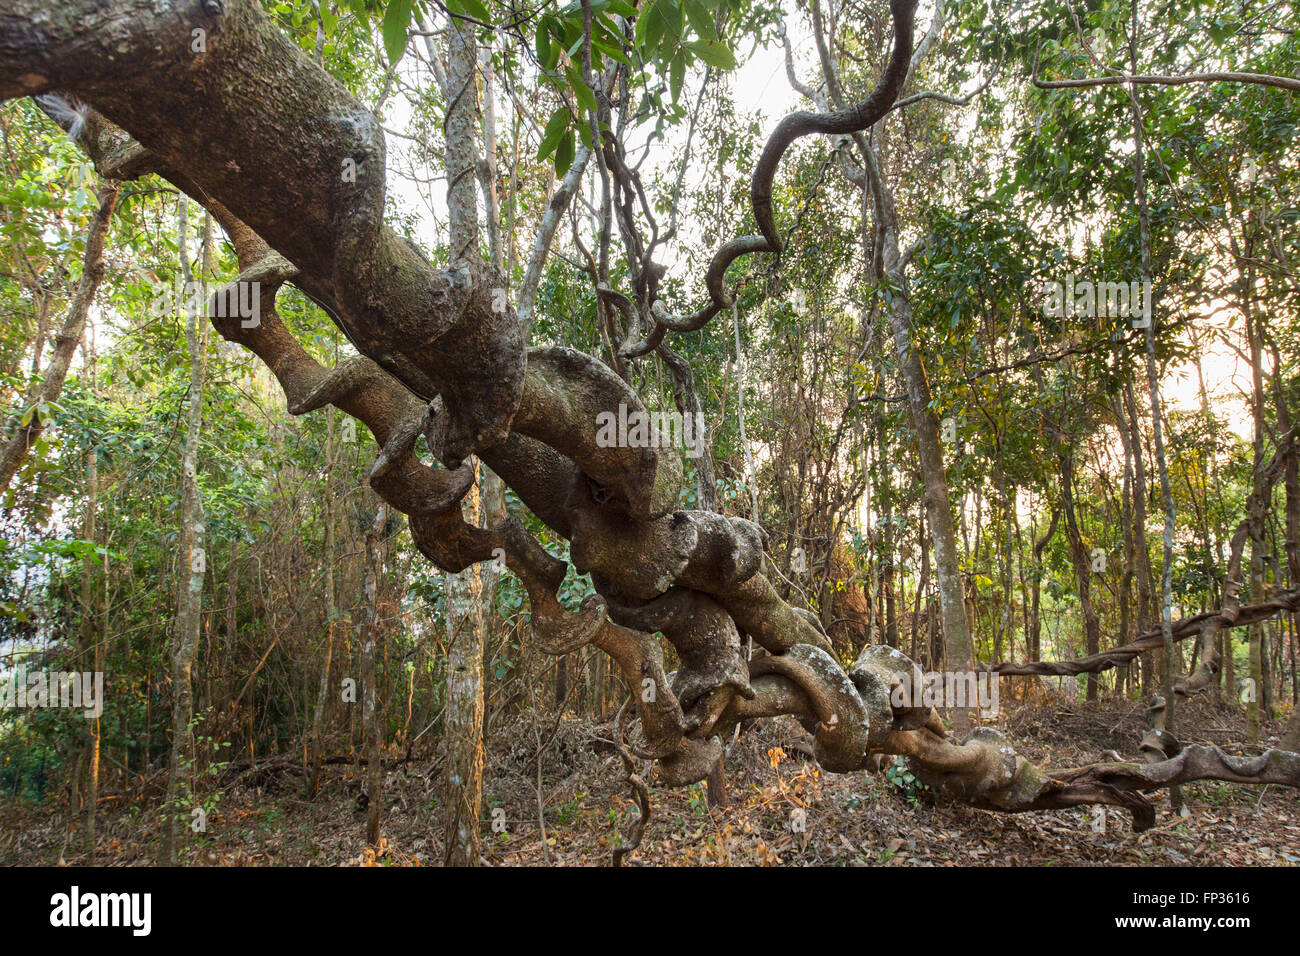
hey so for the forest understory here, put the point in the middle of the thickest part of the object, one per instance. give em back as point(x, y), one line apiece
point(855, 819)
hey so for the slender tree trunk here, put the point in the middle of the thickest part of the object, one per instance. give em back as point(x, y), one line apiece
point(191, 567)
point(69, 337)
point(90, 642)
point(1291, 735)
point(938, 505)
point(922, 588)
point(1003, 627)
point(1292, 480)
point(1035, 618)
point(1142, 557)
point(1081, 559)
point(888, 538)
point(1153, 385)
point(463, 723)
point(493, 491)
point(325, 691)
point(751, 473)
point(1255, 633)
point(1126, 533)
point(488, 167)
point(372, 636)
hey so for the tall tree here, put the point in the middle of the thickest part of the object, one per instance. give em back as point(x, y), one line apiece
point(372, 637)
point(463, 725)
point(28, 429)
point(191, 558)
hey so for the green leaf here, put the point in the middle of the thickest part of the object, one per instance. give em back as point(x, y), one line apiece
point(546, 54)
point(469, 8)
point(604, 39)
point(568, 33)
point(714, 53)
point(397, 18)
point(651, 27)
point(677, 75)
point(701, 20)
point(329, 20)
point(586, 99)
point(564, 154)
point(556, 127)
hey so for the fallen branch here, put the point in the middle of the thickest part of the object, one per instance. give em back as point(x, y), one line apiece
point(1281, 603)
point(1258, 79)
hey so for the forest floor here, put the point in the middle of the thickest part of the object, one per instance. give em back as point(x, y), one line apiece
point(782, 810)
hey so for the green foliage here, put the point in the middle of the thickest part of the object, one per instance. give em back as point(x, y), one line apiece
point(901, 778)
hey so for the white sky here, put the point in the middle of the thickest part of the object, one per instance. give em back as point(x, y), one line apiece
point(759, 87)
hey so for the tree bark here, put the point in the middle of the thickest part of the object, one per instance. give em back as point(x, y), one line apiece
point(1081, 559)
point(1153, 385)
point(1035, 617)
point(191, 563)
point(1255, 635)
point(90, 641)
point(463, 724)
point(324, 690)
point(372, 636)
point(1126, 533)
point(938, 504)
point(1142, 553)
